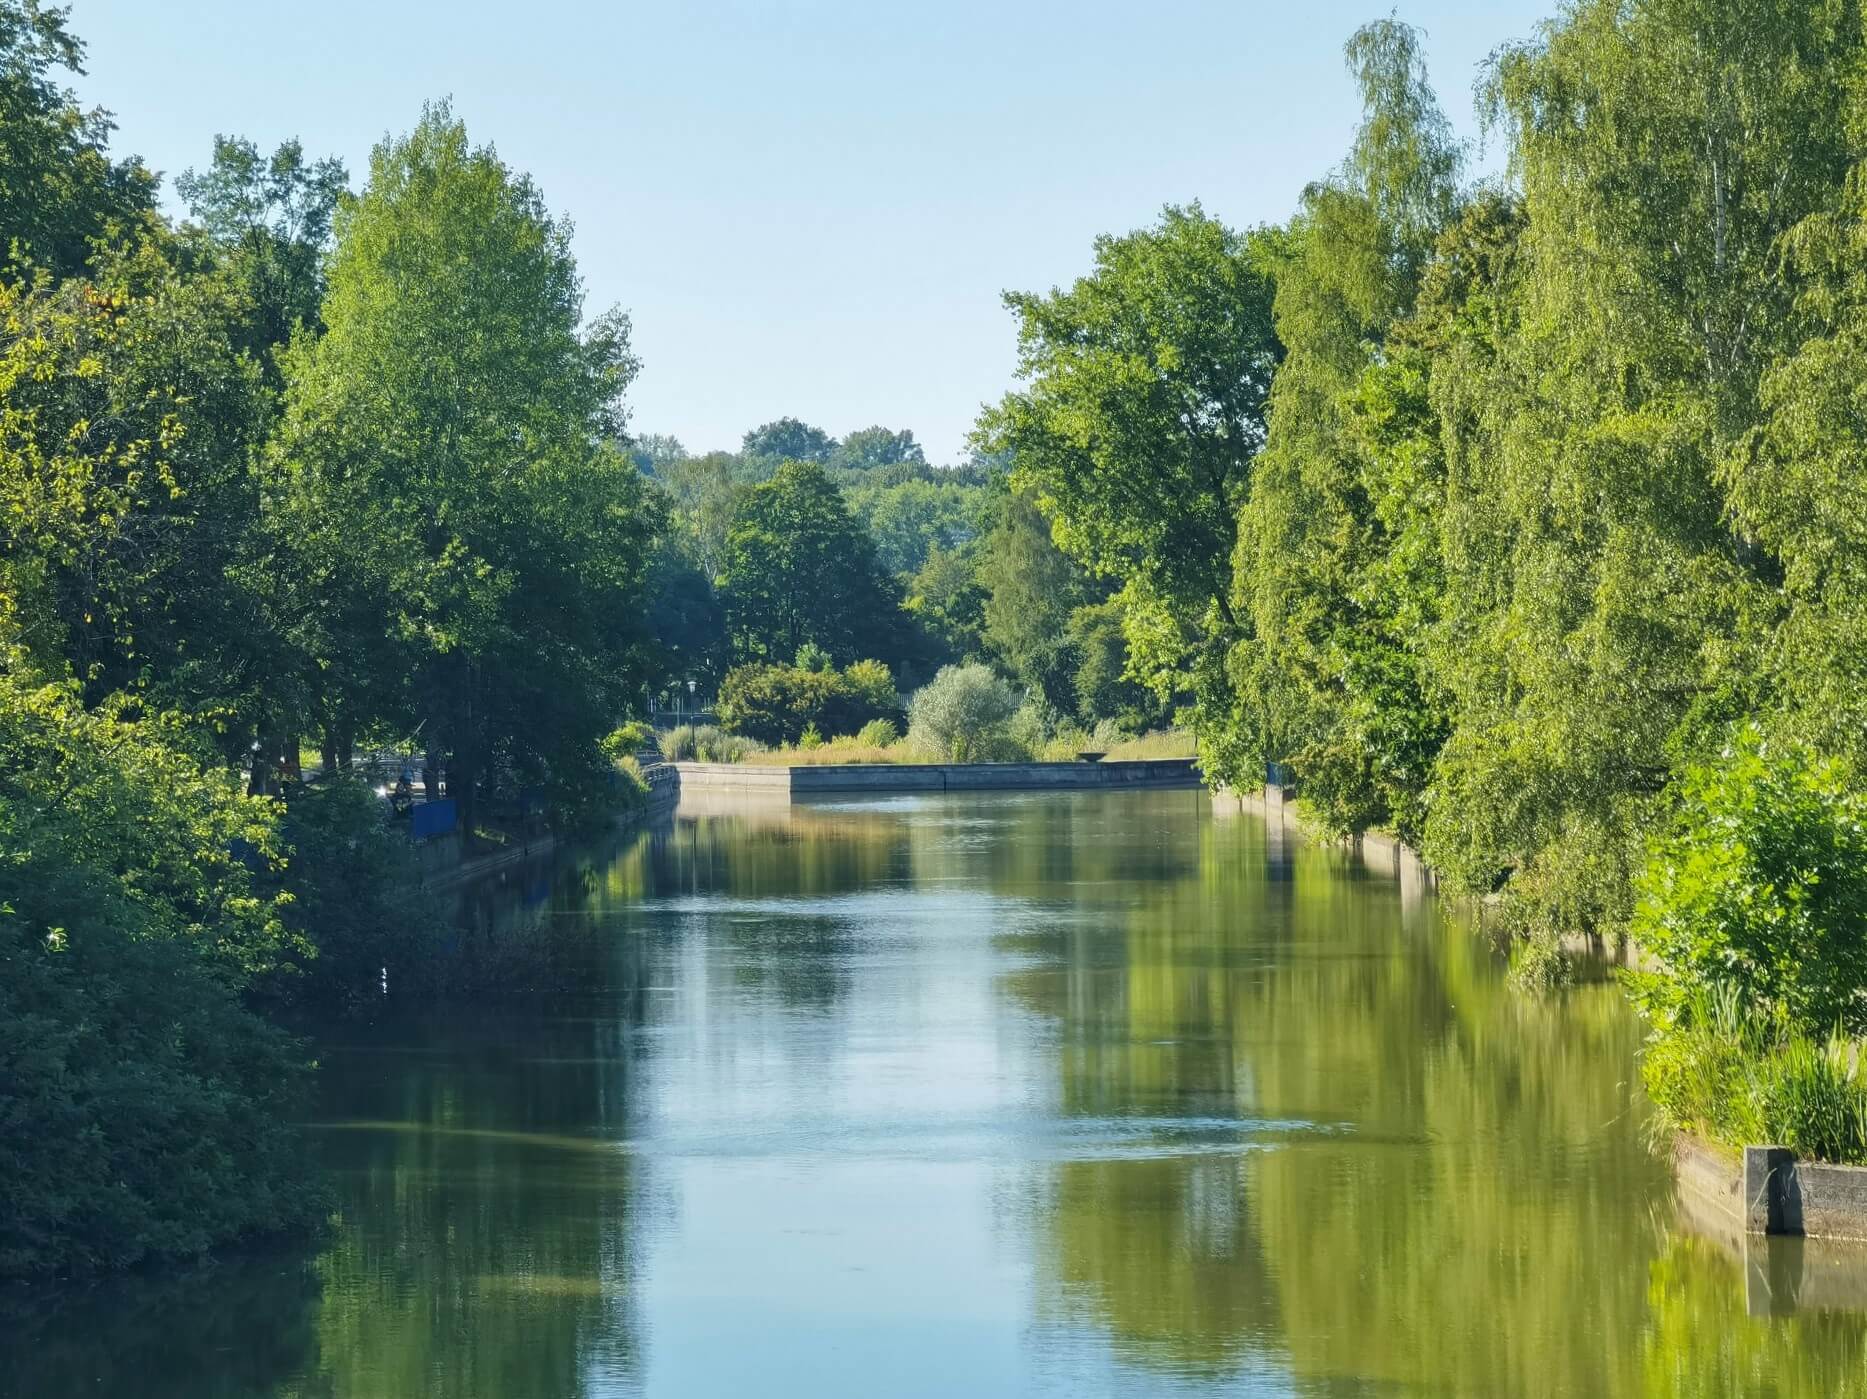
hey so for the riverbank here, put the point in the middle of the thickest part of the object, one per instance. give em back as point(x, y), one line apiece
point(446, 864)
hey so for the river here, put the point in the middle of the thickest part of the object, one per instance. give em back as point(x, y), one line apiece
point(1097, 1094)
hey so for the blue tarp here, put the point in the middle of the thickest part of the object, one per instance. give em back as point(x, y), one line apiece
point(433, 819)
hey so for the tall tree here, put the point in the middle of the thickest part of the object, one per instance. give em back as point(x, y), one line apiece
point(1328, 640)
point(870, 448)
point(788, 439)
point(273, 218)
point(465, 528)
point(799, 570)
point(59, 188)
point(1148, 385)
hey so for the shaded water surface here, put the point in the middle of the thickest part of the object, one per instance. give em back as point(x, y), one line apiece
point(1097, 1094)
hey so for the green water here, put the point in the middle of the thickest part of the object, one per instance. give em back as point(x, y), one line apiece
point(1097, 1094)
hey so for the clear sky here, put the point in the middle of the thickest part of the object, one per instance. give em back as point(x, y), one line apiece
point(809, 207)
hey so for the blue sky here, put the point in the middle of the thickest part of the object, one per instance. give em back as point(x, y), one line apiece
point(808, 207)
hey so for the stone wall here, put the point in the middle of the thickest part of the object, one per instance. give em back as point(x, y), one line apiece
point(940, 777)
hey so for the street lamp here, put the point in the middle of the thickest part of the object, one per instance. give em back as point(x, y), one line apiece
point(690, 697)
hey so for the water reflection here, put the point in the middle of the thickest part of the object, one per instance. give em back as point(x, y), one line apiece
point(1086, 1094)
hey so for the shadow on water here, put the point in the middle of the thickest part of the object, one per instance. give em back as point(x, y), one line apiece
point(241, 1327)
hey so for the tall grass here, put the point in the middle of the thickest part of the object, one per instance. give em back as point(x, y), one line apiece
point(687, 743)
point(1718, 1073)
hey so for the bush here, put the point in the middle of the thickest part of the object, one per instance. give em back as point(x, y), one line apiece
point(677, 744)
point(775, 704)
point(961, 710)
point(878, 733)
point(628, 738)
point(1759, 885)
point(142, 1105)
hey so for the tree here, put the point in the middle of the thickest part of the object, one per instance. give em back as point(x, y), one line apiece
point(958, 712)
point(1032, 588)
point(703, 494)
point(1148, 386)
point(870, 448)
point(129, 418)
point(946, 598)
point(787, 439)
point(910, 519)
point(1318, 529)
point(656, 452)
point(464, 525)
point(59, 188)
point(272, 217)
point(799, 569)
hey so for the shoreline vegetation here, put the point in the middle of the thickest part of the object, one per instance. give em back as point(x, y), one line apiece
point(1521, 516)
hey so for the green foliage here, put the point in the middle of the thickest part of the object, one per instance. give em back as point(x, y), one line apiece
point(948, 600)
point(355, 902)
point(776, 704)
point(1722, 1072)
point(789, 440)
point(1149, 381)
point(141, 1105)
point(628, 739)
point(878, 733)
point(59, 189)
point(1758, 885)
point(431, 555)
point(872, 448)
point(1031, 588)
point(799, 569)
point(961, 713)
point(271, 219)
point(705, 744)
point(811, 738)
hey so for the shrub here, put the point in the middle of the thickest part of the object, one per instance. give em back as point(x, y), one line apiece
point(960, 710)
point(630, 737)
point(810, 738)
point(775, 704)
point(142, 1105)
point(677, 744)
point(632, 782)
point(1759, 885)
point(878, 733)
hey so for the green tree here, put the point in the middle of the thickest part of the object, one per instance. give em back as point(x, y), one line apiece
point(799, 569)
point(1148, 386)
point(947, 599)
point(1032, 588)
point(272, 217)
point(473, 548)
point(59, 188)
point(788, 439)
point(129, 419)
point(958, 713)
point(870, 448)
point(1334, 644)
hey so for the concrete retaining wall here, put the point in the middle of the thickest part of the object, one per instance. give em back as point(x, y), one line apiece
point(940, 777)
point(1766, 1190)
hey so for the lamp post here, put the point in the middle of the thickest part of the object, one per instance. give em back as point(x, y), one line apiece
point(690, 697)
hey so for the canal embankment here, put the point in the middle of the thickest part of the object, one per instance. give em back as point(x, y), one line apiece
point(1155, 774)
point(446, 861)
